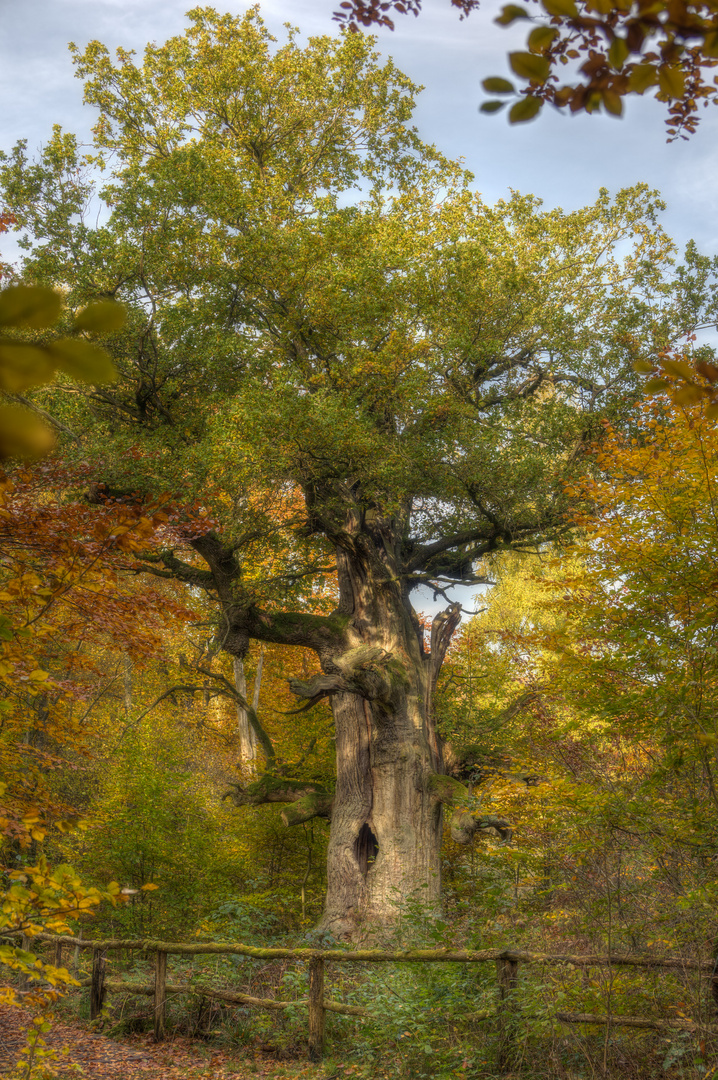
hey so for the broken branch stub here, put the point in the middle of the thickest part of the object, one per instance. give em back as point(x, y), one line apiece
point(464, 826)
point(465, 823)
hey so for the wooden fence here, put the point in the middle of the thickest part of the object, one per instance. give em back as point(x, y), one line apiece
point(507, 964)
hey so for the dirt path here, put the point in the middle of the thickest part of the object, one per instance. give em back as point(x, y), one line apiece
point(81, 1054)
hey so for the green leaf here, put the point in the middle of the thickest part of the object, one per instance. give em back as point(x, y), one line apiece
point(672, 82)
point(541, 38)
point(644, 367)
point(29, 305)
point(510, 13)
point(657, 386)
point(528, 66)
point(83, 360)
point(618, 53)
point(491, 106)
point(498, 86)
point(612, 102)
point(562, 8)
point(102, 317)
point(525, 109)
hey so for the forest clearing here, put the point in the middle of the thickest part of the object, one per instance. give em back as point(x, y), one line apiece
point(358, 580)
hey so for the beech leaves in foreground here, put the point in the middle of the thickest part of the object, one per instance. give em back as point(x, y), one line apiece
point(588, 55)
point(28, 359)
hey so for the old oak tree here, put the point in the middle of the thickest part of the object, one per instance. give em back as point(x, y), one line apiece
point(353, 366)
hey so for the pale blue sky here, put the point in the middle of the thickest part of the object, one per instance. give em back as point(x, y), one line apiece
point(561, 158)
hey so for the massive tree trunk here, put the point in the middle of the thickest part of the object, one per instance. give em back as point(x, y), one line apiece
point(379, 675)
point(386, 823)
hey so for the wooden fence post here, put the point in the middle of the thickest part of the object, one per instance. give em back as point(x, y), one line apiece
point(160, 995)
point(316, 1008)
point(507, 972)
point(97, 986)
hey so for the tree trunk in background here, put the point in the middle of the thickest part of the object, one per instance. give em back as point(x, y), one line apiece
point(127, 683)
point(247, 737)
point(258, 682)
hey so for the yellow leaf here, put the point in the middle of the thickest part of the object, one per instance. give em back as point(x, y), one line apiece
point(83, 360)
point(687, 395)
point(509, 14)
point(679, 368)
point(618, 53)
point(22, 436)
point(29, 305)
point(641, 77)
point(496, 85)
point(672, 82)
point(149, 887)
point(22, 366)
point(657, 386)
point(541, 38)
point(612, 102)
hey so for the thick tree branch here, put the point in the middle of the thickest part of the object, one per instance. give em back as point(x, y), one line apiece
point(422, 555)
point(241, 619)
point(368, 671)
point(306, 800)
point(175, 568)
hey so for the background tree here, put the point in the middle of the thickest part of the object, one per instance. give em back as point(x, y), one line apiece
point(586, 689)
point(412, 376)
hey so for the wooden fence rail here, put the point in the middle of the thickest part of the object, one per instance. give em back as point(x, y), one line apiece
point(507, 962)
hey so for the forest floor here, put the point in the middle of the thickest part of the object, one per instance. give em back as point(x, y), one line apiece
point(84, 1055)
